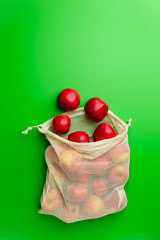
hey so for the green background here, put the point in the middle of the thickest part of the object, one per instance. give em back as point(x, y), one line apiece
point(109, 49)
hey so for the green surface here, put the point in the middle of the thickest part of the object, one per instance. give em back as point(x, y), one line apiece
point(109, 49)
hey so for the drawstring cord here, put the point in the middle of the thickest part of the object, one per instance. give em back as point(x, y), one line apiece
point(129, 122)
point(30, 128)
point(40, 125)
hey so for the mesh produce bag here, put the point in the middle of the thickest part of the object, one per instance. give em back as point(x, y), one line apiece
point(85, 180)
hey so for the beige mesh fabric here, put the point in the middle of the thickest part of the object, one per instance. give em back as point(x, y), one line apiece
point(85, 180)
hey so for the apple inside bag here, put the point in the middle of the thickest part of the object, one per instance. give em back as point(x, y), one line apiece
point(86, 180)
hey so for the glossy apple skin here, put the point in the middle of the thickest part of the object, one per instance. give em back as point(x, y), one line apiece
point(68, 99)
point(103, 131)
point(79, 137)
point(96, 109)
point(61, 124)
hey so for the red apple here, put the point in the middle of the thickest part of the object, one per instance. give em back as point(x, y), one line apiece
point(77, 192)
point(70, 213)
point(61, 124)
point(81, 175)
point(119, 153)
point(100, 164)
point(68, 99)
point(52, 201)
point(70, 160)
point(94, 206)
point(100, 186)
point(96, 109)
point(79, 136)
point(118, 174)
point(103, 131)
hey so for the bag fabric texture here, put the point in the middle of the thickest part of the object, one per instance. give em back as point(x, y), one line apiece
point(85, 180)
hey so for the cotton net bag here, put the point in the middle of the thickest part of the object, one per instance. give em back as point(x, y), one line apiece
point(85, 180)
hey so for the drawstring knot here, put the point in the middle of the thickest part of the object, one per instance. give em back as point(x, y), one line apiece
point(129, 122)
